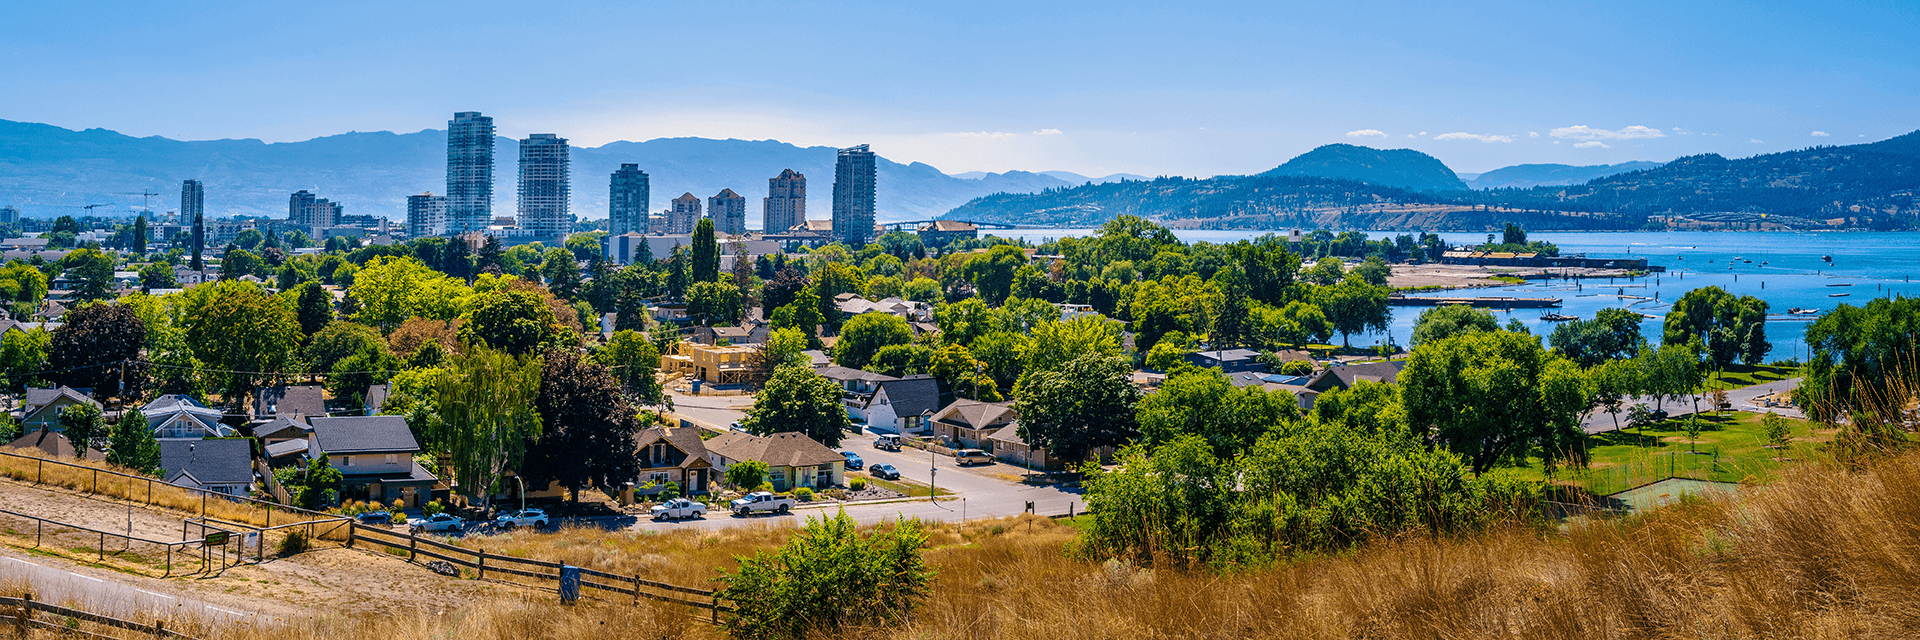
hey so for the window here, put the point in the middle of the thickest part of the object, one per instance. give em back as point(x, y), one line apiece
point(659, 477)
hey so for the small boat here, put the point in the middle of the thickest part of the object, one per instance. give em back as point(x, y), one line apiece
point(1555, 317)
point(1826, 258)
point(1797, 311)
point(1843, 284)
point(1747, 261)
point(1838, 295)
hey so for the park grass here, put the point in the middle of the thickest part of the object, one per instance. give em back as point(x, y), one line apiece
point(1732, 447)
point(1741, 375)
point(906, 487)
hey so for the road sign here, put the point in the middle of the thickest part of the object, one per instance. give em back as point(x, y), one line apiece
point(216, 538)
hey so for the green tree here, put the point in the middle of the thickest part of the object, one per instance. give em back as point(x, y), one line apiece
point(1779, 433)
point(1004, 354)
point(1326, 272)
point(1731, 327)
point(82, 424)
point(132, 444)
point(561, 269)
point(351, 376)
point(714, 303)
point(390, 290)
point(828, 580)
point(1440, 323)
point(485, 400)
point(1354, 307)
point(140, 235)
point(516, 321)
point(866, 334)
point(1205, 403)
point(634, 361)
point(242, 332)
point(1373, 271)
point(99, 347)
point(706, 252)
point(336, 343)
point(322, 485)
point(587, 430)
point(1303, 322)
point(902, 360)
point(313, 308)
point(1074, 410)
point(962, 375)
point(1514, 235)
point(1612, 334)
point(93, 272)
point(23, 355)
point(992, 273)
point(747, 475)
point(236, 263)
point(797, 399)
point(157, 275)
point(802, 314)
point(1492, 395)
point(21, 283)
point(199, 241)
point(1861, 360)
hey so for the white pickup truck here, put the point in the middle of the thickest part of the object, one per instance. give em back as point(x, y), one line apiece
point(761, 502)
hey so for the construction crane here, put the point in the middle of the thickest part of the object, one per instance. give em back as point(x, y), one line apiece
point(143, 199)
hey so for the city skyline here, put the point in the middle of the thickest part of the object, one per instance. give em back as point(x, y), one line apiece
point(1093, 89)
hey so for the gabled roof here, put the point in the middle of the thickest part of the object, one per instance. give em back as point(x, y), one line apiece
point(974, 414)
point(283, 427)
point(287, 448)
point(910, 396)
point(842, 375)
point(1009, 434)
point(1227, 355)
point(167, 402)
point(791, 449)
point(686, 439)
point(305, 401)
point(1246, 379)
point(54, 444)
point(209, 461)
point(363, 434)
point(37, 398)
point(1343, 376)
point(377, 397)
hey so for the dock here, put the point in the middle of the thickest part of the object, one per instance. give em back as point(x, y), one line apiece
point(1490, 302)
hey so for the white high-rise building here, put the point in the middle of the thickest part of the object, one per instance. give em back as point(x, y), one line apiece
point(426, 215)
point(786, 204)
point(469, 172)
point(545, 186)
point(684, 215)
point(729, 212)
point(193, 201)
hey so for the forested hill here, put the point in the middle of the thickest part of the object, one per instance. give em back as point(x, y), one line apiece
point(1403, 168)
point(1873, 185)
point(1263, 202)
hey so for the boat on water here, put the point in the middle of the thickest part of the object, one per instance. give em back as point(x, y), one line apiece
point(1556, 317)
point(1838, 295)
point(1841, 284)
point(1797, 311)
point(1826, 258)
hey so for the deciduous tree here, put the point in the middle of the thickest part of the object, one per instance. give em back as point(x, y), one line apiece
point(587, 427)
point(485, 400)
point(99, 347)
point(1080, 407)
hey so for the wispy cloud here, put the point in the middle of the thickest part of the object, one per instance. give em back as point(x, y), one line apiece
point(1584, 132)
point(1533, 134)
point(1367, 133)
point(1820, 134)
point(1483, 137)
point(1592, 144)
point(1047, 132)
point(1680, 131)
point(1756, 141)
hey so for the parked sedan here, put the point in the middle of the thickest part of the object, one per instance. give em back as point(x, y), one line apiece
point(679, 509)
point(884, 471)
point(523, 518)
point(436, 522)
point(853, 460)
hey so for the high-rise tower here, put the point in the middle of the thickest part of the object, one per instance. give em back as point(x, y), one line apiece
point(685, 213)
point(627, 206)
point(300, 208)
point(193, 200)
point(729, 212)
point(786, 203)
point(426, 215)
point(853, 197)
point(545, 187)
point(469, 172)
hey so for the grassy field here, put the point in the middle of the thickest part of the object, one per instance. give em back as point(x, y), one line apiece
point(1732, 447)
point(910, 488)
point(1740, 375)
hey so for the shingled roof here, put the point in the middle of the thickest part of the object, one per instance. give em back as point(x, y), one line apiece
point(363, 434)
point(791, 449)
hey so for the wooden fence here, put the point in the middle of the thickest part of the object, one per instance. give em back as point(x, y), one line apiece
point(539, 570)
point(20, 611)
point(151, 491)
point(197, 549)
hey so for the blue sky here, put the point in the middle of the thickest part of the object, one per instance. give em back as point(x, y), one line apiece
point(1094, 87)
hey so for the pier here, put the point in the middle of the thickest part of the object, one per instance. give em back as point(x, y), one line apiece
point(1490, 302)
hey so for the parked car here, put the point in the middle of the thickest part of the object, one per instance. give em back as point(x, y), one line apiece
point(678, 509)
point(762, 501)
point(887, 442)
point(853, 460)
point(436, 522)
point(381, 518)
point(885, 471)
point(523, 518)
point(966, 457)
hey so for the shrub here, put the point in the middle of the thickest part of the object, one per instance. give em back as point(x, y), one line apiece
point(857, 484)
point(433, 507)
point(1778, 431)
point(747, 474)
point(295, 543)
point(397, 507)
point(669, 491)
point(803, 494)
point(399, 517)
point(829, 578)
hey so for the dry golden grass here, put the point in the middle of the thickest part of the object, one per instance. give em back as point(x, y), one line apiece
point(97, 477)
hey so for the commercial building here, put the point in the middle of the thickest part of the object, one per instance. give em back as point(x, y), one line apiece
point(426, 215)
point(545, 186)
point(940, 232)
point(469, 172)
point(729, 212)
point(304, 209)
point(853, 196)
point(9, 215)
point(685, 214)
point(785, 206)
point(193, 201)
point(627, 204)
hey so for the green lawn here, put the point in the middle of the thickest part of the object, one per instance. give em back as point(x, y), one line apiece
point(1740, 375)
point(908, 487)
point(1732, 447)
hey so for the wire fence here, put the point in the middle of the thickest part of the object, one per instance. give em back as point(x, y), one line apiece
point(139, 554)
point(99, 480)
point(1705, 464)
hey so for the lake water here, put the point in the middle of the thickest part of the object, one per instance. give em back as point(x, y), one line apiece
point(1785, 269)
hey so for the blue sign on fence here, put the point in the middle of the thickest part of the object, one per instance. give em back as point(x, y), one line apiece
point(569, 584)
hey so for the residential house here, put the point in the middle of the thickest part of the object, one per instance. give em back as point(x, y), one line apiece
point(1228, 360)
point(901, 406)
point(851, 304)
point(375, 457)
point(733, 336)
point(42, 407)
point(280, 430)
point(53, 444)
point(793, 459)
point(940, 232)
point(376, 399)
point(676, 455)
point(969, 423)
point(180, 417)
point(1344, 376)
point(219, 466)
point(306, 401)
point(1007, 445)
point(1072, 311)
point(817, 358)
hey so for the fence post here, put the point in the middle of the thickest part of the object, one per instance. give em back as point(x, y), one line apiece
point(159, 629)
point(96, 482)
point(716, 608)
point(26, 614)
point(480, 559)
point(413, 548)
point(40, 471)
point(353, 529)
point(103, 546)
point(636, 588)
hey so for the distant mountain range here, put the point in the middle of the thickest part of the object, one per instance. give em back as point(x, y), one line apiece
point(49, 171)
point(1068, 178)
point(1342, 186)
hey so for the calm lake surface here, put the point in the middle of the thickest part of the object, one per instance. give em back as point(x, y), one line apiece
point(1783, 268)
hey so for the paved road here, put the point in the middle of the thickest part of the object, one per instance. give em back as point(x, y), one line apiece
point(718, 411)
point(103, 592)
point(1741, 399)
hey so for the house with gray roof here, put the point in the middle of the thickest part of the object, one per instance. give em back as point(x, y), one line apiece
point(901, 406)
point(53, 444)
point(676, 455)
point(42, 407)
point(375, 457)
point(1228, 360)
point(970, 422)
point(306, 401)
point(793, 459)
point(1344, 376)
point(222, 466)
point(180, 417)
point(376, 398)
